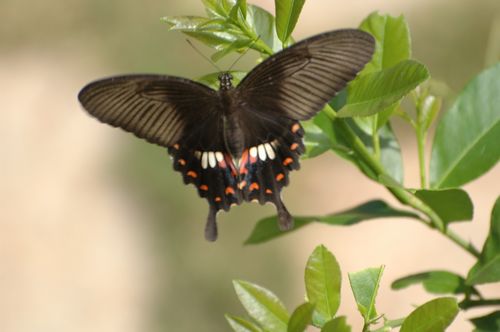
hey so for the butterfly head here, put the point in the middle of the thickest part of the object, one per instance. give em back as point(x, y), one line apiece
point(225, 81)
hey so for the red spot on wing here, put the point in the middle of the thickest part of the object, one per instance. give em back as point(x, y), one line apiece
point(176, 146)
point(192, 174)
point(280, 177)
point(295, 128)
point(294, 146)
point(242, 184)
point(229, 161)
point(287, 161)
point(229, 191)
point(217, 199)
point(181, 162)
point(254, 186)
point(204, 187)
point(269, 191)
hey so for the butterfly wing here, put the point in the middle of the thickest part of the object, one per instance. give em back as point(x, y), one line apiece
point(291, 85)
point(185, 116)
point(297, 82)
point(161, 109)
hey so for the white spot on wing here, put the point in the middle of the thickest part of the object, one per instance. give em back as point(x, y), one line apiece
point(211, 159)
point(262, 152)
point(270, 151)
point(253, 152)
point(197, 154)
point(204, 160)
point(219, 156)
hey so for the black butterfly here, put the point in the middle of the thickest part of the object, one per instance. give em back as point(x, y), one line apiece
point(239, 143)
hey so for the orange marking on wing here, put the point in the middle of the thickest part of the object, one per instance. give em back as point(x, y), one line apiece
point(294, 146)
point(222, 164)
point(242, 184)
point(204, 187)
point(192, 174)
point(229, 191)
point(280, 177)
point(269, 191)
point(217, 199)
point(243, 162)
point(176, 146)
point(229, 161)
point(295, 128)
point(253, 160)
point(287, 161)
point(254, 186)
point(181, 162)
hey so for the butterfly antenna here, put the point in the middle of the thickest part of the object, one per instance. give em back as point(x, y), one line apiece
point(203, 55)
point(242, 54)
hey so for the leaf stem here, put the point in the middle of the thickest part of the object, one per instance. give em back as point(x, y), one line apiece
point(467, 304)
point(403, 195)
point(421, 137)
point(375, 137)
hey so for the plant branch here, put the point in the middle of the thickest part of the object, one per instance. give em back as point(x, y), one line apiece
point(403, 195)
point(467, 304)
point(421, 136)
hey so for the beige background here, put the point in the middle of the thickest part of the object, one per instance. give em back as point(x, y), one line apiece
point(97, 233)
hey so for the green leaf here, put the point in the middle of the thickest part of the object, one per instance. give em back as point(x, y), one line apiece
point(315, 140)
point(338, 324)
point(374, 92)
point(488, 323)
point(239, 7)
point(487, 268)
point(264, 27)
point(262, 305)
point(433, 316)
point(287, 14)
point(301, 318)
point(267, 228)
point(364, 285)
point(392, 37)
point(181, 23)
point(239, 45)
point(449, 204)
point(241, 325)
point(436, 282)
point(323, 278)
point(466, 141)
point(430, 108)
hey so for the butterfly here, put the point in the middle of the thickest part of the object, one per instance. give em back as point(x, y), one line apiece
point(235, 144)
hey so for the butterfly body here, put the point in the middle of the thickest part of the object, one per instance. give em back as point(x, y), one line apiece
point(235, 144)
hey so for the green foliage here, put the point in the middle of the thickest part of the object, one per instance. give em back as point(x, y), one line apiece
point(356, 125)
point(436, 282)
point(487, 268)
point(488, 323)
point(267, 229)
point(466, 142)
point(433, 316)
point(323, 280)
point(364, 285)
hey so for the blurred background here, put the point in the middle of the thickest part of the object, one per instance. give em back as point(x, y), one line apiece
point(97, 232)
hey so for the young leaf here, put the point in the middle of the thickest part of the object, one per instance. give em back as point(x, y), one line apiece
point(488, 323)
point(449, 204)
point(262, 305)
point(315, 140)
point(392, 37)
point(287, 14)
point(182, 23)
point(338, 324)
point(466, 141)
point(239, 7)
point(267, 228)
point(436, 282)
point(263, 24)
point(433, 316)
point(322, 278)
point(376, 91)
point(364, 285)
point(241, 325)
point(487, 268)
point(301, 318)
